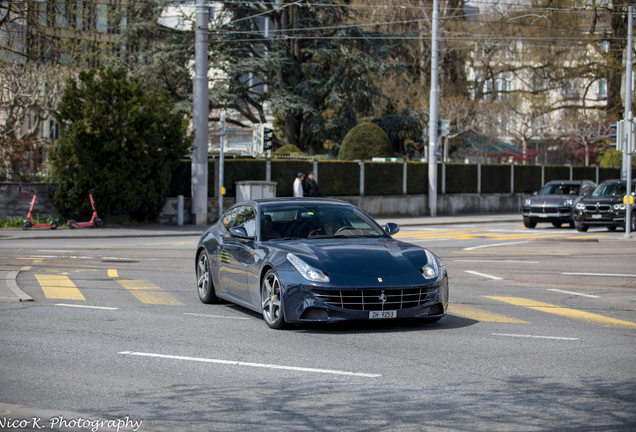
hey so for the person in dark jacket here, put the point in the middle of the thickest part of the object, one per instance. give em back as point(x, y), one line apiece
point(311, 187)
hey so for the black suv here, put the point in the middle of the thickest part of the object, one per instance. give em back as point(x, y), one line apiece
point(555, 202)
point(605, 207)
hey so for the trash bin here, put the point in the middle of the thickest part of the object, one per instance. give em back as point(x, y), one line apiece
point(253, 189)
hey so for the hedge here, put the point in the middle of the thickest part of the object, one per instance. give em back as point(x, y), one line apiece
point(342, 178)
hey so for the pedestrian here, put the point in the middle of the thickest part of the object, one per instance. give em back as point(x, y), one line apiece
point(311, 187)
point(298, 185)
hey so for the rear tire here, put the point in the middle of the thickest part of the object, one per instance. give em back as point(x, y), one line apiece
point(529, 224)
point(205, 287)
point(581, 227)
point(54, 224)
point(25, 224)
point(98, 223)
point(72, 224)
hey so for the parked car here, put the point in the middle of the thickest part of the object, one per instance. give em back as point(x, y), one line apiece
point(606, 207)
point(555, 202)
point(298, 260)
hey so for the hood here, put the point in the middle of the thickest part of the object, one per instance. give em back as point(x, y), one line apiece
point(359, 257)
point(603, 199)
point(552, 199)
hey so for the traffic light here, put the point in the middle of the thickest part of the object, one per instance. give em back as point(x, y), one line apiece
point(267, 136)
point(443, 128)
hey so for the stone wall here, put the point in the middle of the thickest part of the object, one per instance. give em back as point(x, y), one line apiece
point(15, 200)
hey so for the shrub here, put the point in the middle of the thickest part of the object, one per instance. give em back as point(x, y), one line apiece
point(288, 150)
point(365, 141)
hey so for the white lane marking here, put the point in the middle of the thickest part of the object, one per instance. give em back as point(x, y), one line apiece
point(535, 337)
point(573, 293)
point(497, 244)
point(49, 250)
point(499, 261)
point(483, 274)
point(216, 316)
point(600, 274)
point(54, 256)
point(84, 306)
point(260, 365)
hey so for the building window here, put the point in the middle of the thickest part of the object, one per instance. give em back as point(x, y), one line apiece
point(60, 13)
point(602, 88)
point(102, 18)
point(605, 46)
point(43, 13)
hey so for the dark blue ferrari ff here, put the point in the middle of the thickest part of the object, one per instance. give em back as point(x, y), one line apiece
point(301, 260)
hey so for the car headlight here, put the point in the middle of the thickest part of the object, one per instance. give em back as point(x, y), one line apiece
point(528, 201)
point(580, 206)
point(567, 202)
point(619, 206)
point(308, 272)
point(431, 269)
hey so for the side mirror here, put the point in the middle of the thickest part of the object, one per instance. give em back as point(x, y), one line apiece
point(535, 193)
point(239, 232)
point(391, 228)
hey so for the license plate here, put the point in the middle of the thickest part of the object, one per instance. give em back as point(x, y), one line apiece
point(543, 215)
point(596, 216)
point(382, 314)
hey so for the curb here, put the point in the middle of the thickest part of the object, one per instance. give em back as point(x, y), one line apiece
point(12, 284)
point(101, 237)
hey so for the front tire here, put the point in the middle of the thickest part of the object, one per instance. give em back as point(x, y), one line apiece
point(54, 224)
point(580, 227)
point(556, 224)
point(611, 228)
point(205, 287)
point(25, 224)
point(272, 301)
point(529, 224)
point(98, 223)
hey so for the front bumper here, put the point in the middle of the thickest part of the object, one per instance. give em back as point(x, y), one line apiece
point(613, 218)
point(547, 214)
point(307, 303)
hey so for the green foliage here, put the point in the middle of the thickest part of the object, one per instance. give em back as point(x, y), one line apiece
point(284, 173)
point(338, 178)
point(417, 178)
point(556, 172)
point(401, 128)
point(181, 183)
point(236, 170)
point(613, 159)
point(119, 140)
point(365, 141)
point(495, 178)
point(608, 174)
point(17, 222)
point(383, 178)
point(289, 150)
point(584, 173)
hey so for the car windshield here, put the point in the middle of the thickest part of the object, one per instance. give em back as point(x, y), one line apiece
point(560, 189)
point(609, 189)
point(315, 222)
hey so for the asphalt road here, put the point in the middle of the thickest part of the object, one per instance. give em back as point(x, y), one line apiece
point(540, 335)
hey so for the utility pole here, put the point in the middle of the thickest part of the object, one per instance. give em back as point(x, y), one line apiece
point(432, 121)
point(200, 113)
point(627, 152)
point(220, 187)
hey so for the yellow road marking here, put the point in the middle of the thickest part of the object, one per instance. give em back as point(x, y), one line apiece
point(25, 268)
point(484, 252)
point(566, 312)
point(480, 315)
point(170, 243)
point(147, 292)
point(59, 287)
point(112, 273)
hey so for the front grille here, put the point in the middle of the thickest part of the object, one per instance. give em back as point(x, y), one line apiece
point(371, 299)
point(602, 208)
point(544, 210)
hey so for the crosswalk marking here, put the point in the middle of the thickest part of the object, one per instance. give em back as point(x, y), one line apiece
point(59, 287)
point(480, 315)
point(147, 292)
point(112, 273)
point(566, 312)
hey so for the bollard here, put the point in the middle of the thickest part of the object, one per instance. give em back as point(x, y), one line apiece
point(180, 210)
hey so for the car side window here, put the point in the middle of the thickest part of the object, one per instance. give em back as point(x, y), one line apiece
point(246, 218)
point(228, 218)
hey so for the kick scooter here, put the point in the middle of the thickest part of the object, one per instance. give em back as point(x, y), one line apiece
point(94, 222)
point(29, 223)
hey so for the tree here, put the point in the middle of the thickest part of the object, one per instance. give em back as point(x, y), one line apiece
point(119, 140)
point(365, 141)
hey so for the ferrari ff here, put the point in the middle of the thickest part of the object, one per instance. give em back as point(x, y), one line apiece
point(298, 260)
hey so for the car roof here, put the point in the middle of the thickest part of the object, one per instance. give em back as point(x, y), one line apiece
point(273, 202)
point(569, 181)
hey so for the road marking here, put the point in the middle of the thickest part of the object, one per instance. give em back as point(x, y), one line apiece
point(493, 245)
point(499, 261)
point(480, 315)
point(59, 287)
point(482, 274)
point(535, 337)
point(566, 312)
point(87, 307)
point(170, 243)
point(573, 293)
point(56, 256)
point(259, 365)
point(25, 268)
point(600, 274)
point(112, 273)
point(216, 316)
point(147, 292)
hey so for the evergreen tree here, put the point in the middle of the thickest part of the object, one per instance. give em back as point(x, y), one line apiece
point(119, 140)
